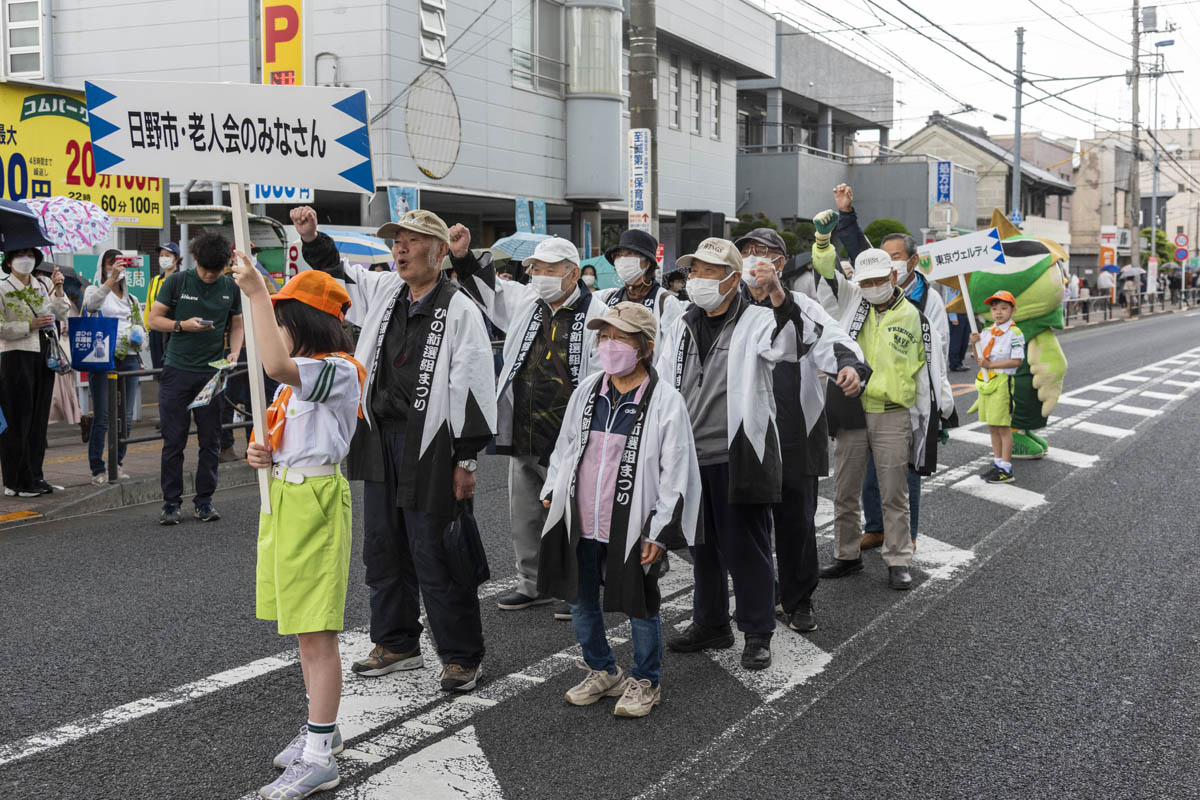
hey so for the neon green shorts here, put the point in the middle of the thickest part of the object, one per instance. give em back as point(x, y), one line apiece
point(995, 402)
point(304, 555)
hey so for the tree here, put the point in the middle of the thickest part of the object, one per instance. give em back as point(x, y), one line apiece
point(881, 228)
point(1162, 247)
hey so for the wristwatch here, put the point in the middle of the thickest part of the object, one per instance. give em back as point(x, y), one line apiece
point(178, 326)
point(470, 465)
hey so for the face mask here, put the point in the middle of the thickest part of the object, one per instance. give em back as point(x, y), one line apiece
point(876, 295)
point(617, 358)
point(548, 287)
point(629, 268)
point(23, 265)
point(748, 265)
point(706, 292)
point(166, 262)
point(589, 281)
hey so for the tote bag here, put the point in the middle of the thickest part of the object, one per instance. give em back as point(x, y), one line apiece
point(93, 343)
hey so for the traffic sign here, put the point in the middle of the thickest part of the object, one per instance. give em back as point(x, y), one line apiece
point(1181, 254)
point(236, 133)
point(945, 182)
point(1181, 240)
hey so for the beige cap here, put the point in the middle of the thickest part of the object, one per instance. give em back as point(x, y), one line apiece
point(417, 221)
point(628, 317)
point(720, 252)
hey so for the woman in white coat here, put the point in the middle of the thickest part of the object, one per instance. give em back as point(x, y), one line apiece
point(623, 481)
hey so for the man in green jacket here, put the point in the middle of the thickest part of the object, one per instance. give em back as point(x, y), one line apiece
point(888, 329)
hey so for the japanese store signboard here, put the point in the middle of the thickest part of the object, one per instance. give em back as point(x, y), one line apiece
point(45, 152)
point(236, 133)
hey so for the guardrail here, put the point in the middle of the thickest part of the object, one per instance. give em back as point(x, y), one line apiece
point(1085, 309)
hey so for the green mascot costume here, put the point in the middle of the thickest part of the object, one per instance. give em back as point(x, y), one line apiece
point(1035, 274)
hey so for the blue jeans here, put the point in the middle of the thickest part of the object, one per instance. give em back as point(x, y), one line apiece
point(588, 620)
point(873, 506)
point(98, 386)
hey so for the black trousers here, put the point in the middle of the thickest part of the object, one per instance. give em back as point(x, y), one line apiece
point(737, 544)
point(177, 388)
point(404, 550)
point(26, 385)
point(796, 538)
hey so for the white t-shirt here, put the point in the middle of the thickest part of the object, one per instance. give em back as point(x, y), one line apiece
point(322, 414)
point(1009, 344)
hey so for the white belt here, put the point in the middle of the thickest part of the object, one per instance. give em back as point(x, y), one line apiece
point(300, 474)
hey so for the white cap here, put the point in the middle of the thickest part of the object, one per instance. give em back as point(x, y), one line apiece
point(872, 263)
point(552, 251)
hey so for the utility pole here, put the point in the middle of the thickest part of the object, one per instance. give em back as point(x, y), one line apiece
point(1154, 183)
point(643, 87)
point(1133, 198)
point(1015, 202)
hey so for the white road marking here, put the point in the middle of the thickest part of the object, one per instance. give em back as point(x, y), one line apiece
point(1193, 373)
point(1101, 388)
point(1136, 411)
point(1006, 494)
point(1157, 368)
point(1161, 395)
point(1127, 377)
point(454, 768)
point(1184, 384)
point(1103, 430)
point(938, 559)
point(1076, 401)
point(1058, 454)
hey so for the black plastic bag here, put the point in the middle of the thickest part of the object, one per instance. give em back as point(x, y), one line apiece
point(464, 547)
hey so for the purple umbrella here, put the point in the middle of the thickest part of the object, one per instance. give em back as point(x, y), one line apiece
point(70, 224)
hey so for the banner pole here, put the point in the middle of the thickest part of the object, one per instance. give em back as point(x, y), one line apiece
point(258, 397)
point(966, 296)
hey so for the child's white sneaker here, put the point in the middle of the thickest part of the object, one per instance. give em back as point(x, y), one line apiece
point(302, 779)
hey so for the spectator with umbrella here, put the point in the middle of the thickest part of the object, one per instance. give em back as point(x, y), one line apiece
point(31, 306)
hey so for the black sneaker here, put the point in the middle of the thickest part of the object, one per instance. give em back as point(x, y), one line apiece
point(840, 568)
point(42, 487)
point(206, 513)
point(515, 601)
point(170, 515)
point(562, 612)
point(757, 652)
point(697, 638)
point(999, 475)
point(899, 578)
point(802, 618)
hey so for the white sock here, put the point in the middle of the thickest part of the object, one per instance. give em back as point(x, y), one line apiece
point(996, 462)
point(318, 745)
point(1005, 465)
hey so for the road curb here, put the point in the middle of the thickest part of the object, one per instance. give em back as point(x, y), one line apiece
point(136, 491)
point(1118, 320)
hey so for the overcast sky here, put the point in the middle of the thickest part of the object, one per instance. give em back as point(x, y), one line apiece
point(1059, 42)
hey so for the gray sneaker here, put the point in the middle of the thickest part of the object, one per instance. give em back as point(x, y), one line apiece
point(597, 684)
point(638, 699)
point(301, 779)
point(294, 750)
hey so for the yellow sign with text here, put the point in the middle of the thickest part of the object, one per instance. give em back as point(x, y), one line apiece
point(46, 151)
point(283, 42)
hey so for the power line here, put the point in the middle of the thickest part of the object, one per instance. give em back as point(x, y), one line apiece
point(1122, 56)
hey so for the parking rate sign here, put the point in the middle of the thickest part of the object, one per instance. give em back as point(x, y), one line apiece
point(235, 133)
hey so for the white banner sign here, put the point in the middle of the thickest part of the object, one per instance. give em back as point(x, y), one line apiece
point(273, 193)
point(962, 254)
point(639, 179)
point(235, 133)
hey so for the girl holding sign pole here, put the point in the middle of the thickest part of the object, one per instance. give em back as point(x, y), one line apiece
point(304, 542)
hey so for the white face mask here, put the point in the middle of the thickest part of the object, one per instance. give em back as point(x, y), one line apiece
point(166, 262)
point(548, 287)
point(706, 292)
point(629, 268)
point(589, 281)
point(23, 265)
point(876, 295)
point(748, 265)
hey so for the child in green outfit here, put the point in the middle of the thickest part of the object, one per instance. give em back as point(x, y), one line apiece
point(1002, 350)
point(304, 542)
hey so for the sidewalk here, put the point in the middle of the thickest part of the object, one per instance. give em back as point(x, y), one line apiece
point(66, 465)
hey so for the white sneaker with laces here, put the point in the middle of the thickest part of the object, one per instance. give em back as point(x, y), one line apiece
point(597, 684)
point(638, 699)
point(301, 779)
point(100, 480)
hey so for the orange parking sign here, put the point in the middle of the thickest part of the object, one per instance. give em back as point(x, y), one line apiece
point(283, 42)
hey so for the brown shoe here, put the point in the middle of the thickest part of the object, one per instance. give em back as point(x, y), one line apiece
point(381, 661)
point(871, 540)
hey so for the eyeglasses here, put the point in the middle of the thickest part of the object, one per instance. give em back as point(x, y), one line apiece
point(760, 250)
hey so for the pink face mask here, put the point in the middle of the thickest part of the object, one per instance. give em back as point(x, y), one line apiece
point(617, 358)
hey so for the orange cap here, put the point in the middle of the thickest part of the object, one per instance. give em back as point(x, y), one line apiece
point(1004, 295)
point(317, 289)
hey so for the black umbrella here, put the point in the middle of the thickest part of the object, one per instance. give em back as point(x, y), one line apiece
point(19, 229)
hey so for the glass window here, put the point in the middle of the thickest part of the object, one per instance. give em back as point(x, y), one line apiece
point(625, 81)
point(715, 103)
point(595, 57)
point(674, 86)
point(23, 12)
point(697, 98)
point(537, 50)
point(24, 63)
point(23, 39)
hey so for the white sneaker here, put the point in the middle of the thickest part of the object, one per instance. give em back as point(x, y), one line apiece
point(301, 779)
point(100, 480)
point(638, 699)
point(10, 492)
point(122, 474)
point(597, 684)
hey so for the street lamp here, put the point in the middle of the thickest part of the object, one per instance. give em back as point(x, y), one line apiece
point(1153, 288)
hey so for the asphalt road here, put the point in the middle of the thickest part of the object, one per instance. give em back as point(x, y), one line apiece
point(1048, 650)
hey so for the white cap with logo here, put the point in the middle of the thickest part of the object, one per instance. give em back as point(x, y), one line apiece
point(872, 263)
point(552, 251)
